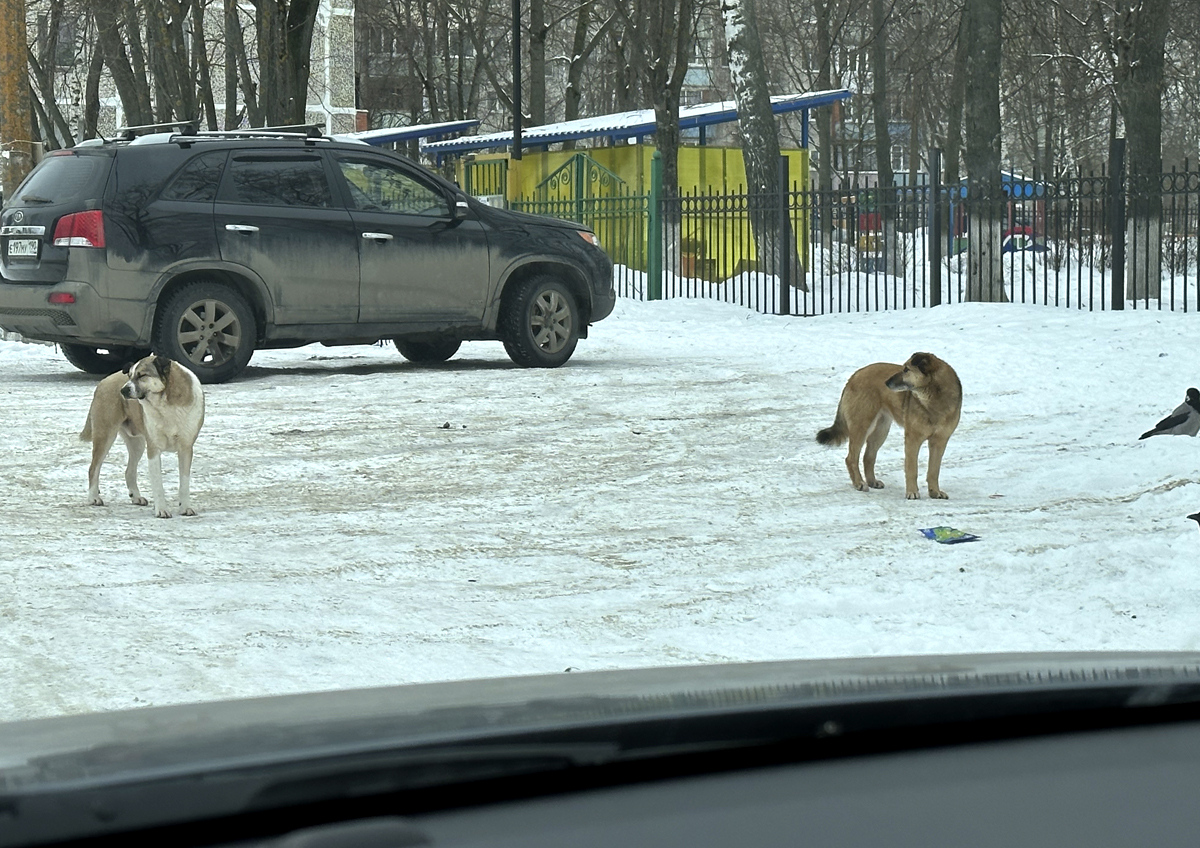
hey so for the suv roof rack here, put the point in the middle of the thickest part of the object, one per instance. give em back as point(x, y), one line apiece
point(183, 128)
point(300, 132)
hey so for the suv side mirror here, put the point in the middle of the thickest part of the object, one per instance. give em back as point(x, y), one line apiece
point(461, 207)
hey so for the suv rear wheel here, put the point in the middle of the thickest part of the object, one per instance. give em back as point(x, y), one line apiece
point(438, 350)
point(539, 323)
point(101, 360)
point(208, 327)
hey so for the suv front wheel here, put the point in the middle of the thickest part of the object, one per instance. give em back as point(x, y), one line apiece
point(539, 322)
point(208, 327)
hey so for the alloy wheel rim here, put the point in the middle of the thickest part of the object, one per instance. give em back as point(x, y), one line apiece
point(550, 321)
point(209, 333)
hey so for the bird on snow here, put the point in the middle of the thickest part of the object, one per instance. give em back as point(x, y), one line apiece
point(1184, 421)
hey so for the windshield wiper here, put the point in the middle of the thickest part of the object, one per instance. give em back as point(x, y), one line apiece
point(33, 198)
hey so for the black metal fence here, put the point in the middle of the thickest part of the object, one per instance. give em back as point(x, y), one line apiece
point(862, 248)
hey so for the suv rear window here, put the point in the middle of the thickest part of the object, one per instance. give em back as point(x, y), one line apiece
point(60, 179)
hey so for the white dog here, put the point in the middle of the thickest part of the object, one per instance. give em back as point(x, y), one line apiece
point(155, 405)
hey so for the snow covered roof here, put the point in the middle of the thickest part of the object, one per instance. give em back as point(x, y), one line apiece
point(624, 125)
point(388, 135)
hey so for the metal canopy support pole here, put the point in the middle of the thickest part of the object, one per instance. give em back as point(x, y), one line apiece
point(785, 241)
point(516, 74)
point(935, 227)
point(1116, 187)
point(654, 231)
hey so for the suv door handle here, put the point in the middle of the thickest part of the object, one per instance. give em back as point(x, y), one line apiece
point(379, 236)
point(242, 228)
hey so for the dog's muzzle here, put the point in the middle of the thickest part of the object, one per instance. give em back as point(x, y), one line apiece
point(129, 390)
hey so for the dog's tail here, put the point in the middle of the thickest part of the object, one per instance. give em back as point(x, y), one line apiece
point(86, 435)
point(836, 434)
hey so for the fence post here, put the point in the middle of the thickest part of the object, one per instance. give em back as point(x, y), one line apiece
point(654, 231)
point(934, 246)
point(1116, 188)
point(784, 241)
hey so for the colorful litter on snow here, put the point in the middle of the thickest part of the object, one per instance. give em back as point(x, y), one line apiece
point(948, 535)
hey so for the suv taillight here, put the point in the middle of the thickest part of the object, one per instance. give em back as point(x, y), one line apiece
point(83, 229)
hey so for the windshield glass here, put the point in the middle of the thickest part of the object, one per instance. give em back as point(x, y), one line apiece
point(872, 335)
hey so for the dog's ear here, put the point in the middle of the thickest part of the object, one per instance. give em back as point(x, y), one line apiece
point(127, 368)
point(922, 362)
point(163, 366)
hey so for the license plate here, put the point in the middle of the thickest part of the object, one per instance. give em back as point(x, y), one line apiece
point(23, 247)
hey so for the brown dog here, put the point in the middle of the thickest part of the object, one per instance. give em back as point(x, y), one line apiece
point(924, 396)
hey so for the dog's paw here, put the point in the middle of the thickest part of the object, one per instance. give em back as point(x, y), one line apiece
point(862, 487)
point(876, 484)
point(913, 496)
point(95, 501)
point(188, 511)
point(138, 500)
point(161, 513)
point(938, 493)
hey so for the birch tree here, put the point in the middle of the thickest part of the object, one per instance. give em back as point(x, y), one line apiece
point(760, 136)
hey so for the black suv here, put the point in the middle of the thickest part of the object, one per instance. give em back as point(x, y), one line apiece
point(205, 246)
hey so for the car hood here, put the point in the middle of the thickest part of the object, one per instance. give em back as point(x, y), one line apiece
point(134, 744)
point(510, 217)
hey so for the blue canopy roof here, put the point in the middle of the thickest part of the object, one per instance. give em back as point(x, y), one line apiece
point(390, 135)
point(625, 125)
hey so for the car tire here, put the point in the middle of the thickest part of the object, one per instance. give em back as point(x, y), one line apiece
point(207, 327)
point(90, 360)
point(438, 350)
point(539, 323)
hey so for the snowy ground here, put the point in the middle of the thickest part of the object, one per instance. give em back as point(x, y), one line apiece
point(659, 500)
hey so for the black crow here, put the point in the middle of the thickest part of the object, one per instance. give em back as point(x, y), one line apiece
point(1184, 421)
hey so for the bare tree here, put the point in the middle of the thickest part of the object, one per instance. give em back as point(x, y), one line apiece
point(659, 35)
point(284, 31)
point(760, 137)
point(15, 119)
point(1138, 40)
point(982, 110)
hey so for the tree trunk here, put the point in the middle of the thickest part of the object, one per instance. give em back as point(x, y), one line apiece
point(168, 57)
point(254, 111)
point(1139, 39)
point(985, 198)
point(285, 32)
point(91, 95)
point(233, 33)
point(16, 117)
point(56, 131)
point(825, 142)
point(760, 136)
point(200, 63)
point(579, 51)
point(659, 36)
point(954, 113)
point(538, 31)
point(885, 193)
point(134, 94)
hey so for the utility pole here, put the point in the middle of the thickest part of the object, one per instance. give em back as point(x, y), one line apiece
point(16, 119)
